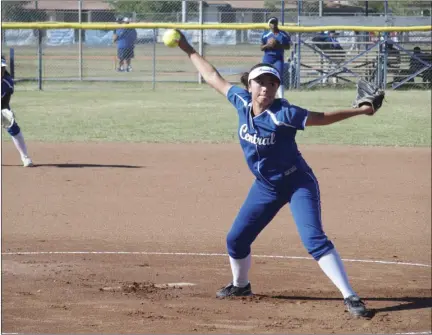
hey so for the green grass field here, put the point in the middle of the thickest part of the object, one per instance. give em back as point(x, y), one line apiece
point(133, 112)
point(100, 62)
point(170, 64)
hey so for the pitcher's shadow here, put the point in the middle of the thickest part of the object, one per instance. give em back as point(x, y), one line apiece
point(401, 303)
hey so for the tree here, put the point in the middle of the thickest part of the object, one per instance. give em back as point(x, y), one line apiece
point(13, 10)
point(147, 10)
point(21, 11)
point(272, 4)
point(395, 7)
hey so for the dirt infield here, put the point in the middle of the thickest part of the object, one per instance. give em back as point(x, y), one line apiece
point(156, 207)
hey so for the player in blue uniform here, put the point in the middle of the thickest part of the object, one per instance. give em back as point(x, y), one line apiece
point(8, 119)
point(125, 38)
point(267, 130)
point(274, 43)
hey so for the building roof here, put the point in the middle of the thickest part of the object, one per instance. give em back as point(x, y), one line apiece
point(103, 5)
point(68, 5)
point(289, 4)
point(252, 4)
point(237, 3)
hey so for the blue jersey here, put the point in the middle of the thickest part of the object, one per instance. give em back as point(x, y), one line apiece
point(7, 90)
point(268, 139)
point(282, 37)
point(126, 38)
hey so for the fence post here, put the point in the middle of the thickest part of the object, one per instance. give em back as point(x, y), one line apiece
point(39, 32)
point(243, 32)
point(282, 84)
point(184, 11)
point(385, 61)
point(380, 65)
point(154, 59)
point(12, 62)
point(385, 56)
point(298, 63)
point(201, 35)
point(366, 41)
point(282, 12)
point(39, 53)
point(80, 50)
point(321, 56)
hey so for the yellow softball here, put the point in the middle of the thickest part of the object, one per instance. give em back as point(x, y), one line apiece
point(171, 38)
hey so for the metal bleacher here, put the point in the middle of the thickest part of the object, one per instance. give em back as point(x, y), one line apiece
point(404, 65)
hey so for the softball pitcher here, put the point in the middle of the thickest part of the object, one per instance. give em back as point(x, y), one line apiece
point(267, 130)
point(8, 118)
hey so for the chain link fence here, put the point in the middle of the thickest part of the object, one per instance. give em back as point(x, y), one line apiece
point(337, 58)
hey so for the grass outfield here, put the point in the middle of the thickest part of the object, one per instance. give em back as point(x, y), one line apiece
point(123, 112)
point(170, 64)
point(100, 62)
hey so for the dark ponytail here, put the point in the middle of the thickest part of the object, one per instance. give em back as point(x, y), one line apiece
point(244, 79)
point(245, 75)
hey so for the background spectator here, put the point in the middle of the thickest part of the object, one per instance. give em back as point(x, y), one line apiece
point(125, 39)
point(273, 43)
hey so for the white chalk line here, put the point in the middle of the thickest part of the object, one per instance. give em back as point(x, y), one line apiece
point(410, 333)
point(155, 253)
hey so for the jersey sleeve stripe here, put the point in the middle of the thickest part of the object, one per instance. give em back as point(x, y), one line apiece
point(305, 120)
point(245, 103)
point(8, 83)
point(277, 122)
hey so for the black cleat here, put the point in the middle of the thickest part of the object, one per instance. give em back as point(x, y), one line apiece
point(355, 306)
point(234, 291)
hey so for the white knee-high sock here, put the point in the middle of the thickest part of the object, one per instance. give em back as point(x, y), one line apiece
point(19, 142)
point(240, 269)
point(332, 265)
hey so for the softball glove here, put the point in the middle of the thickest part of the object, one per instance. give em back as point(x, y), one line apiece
point(368, 93)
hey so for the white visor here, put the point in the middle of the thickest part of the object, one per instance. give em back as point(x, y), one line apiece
point(255, 73)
